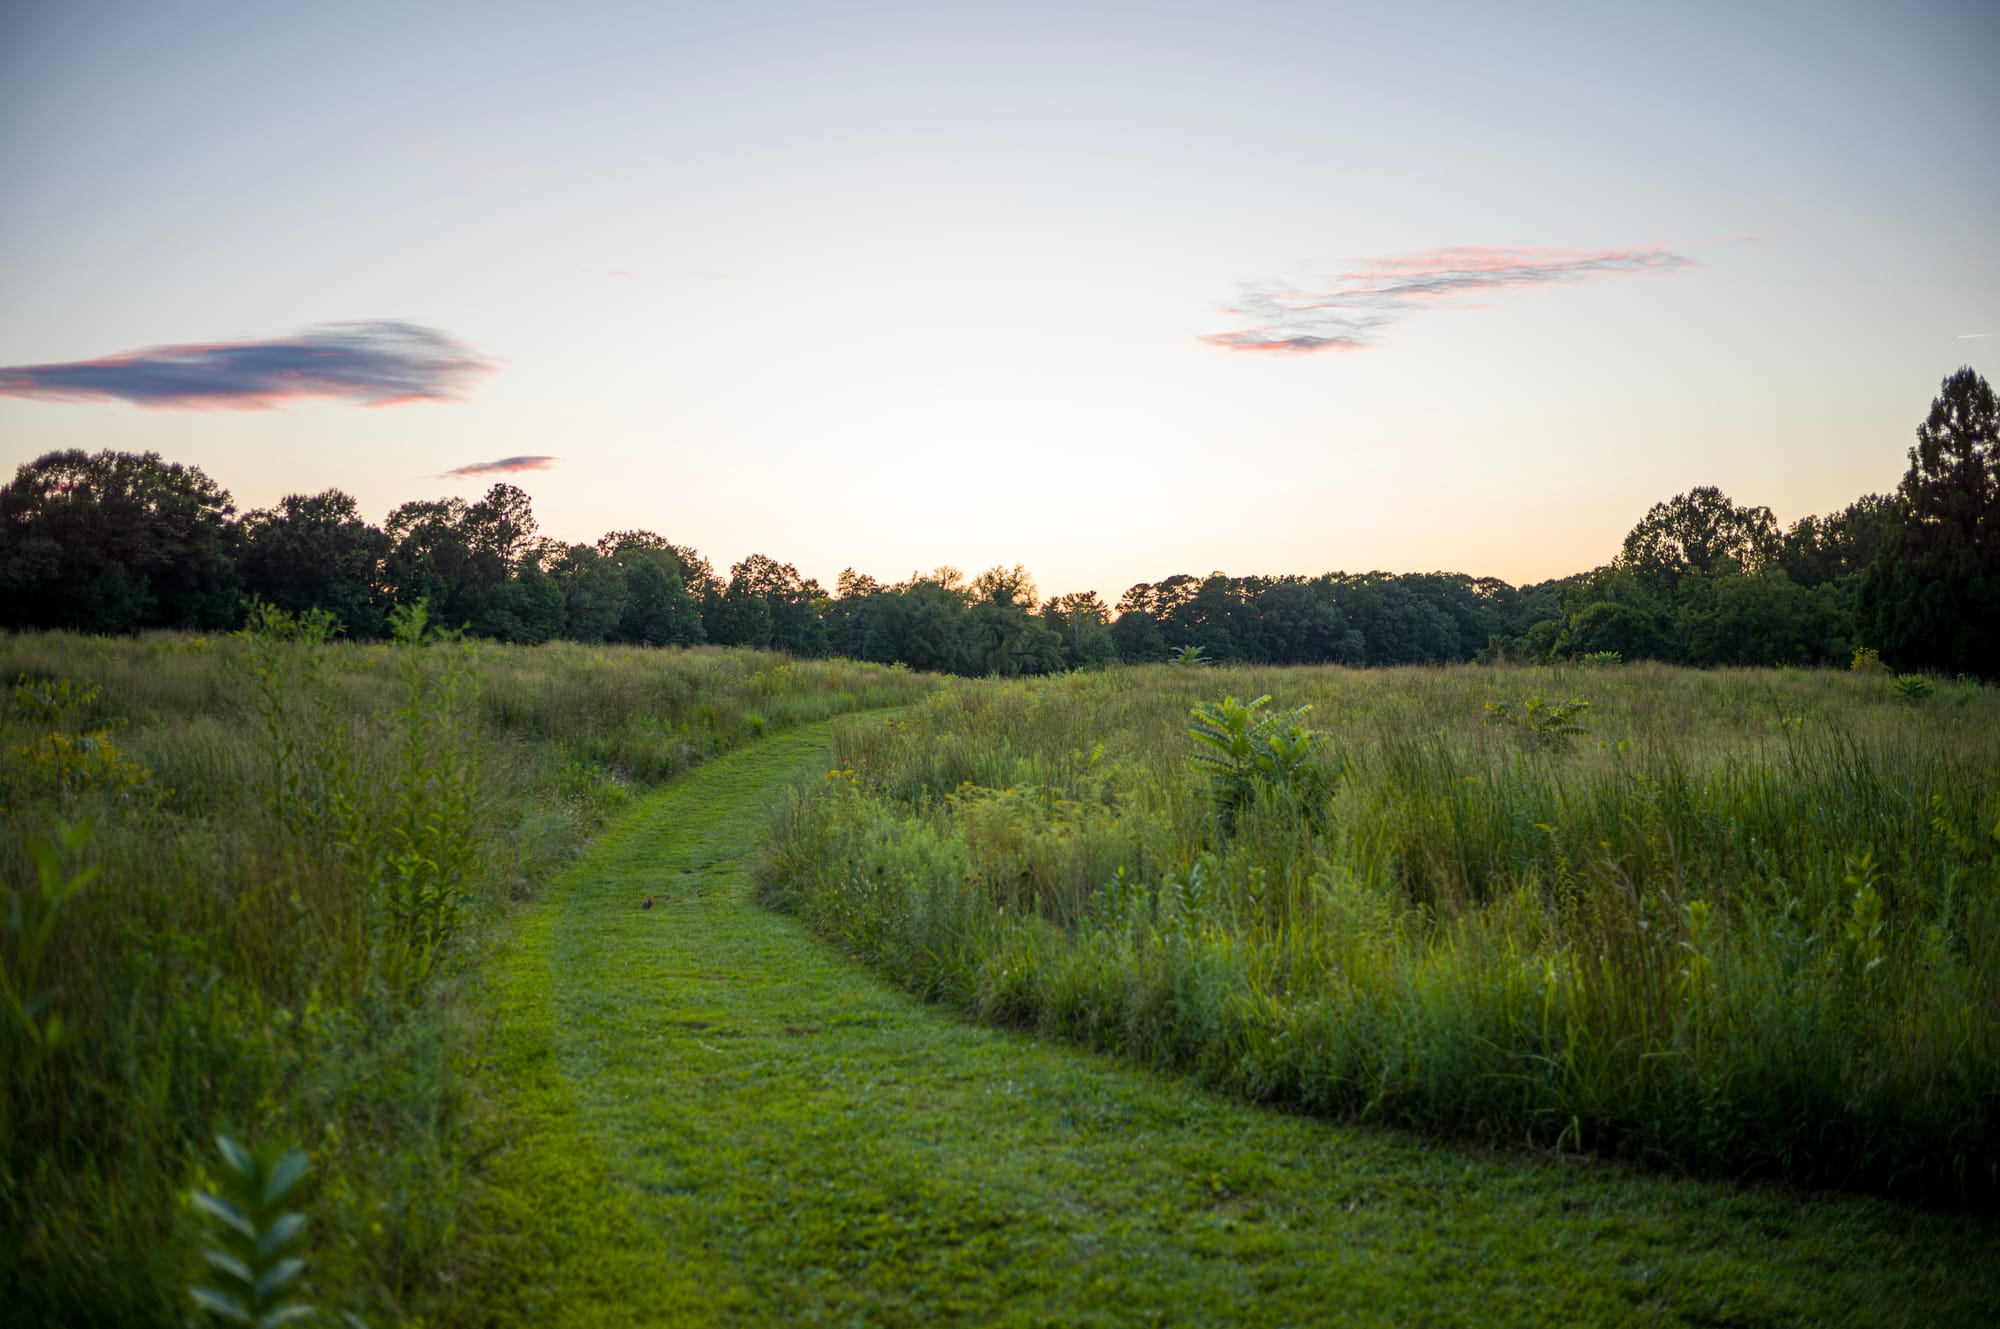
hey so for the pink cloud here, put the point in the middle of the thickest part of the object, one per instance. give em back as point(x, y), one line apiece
point(505, 466)
point(365, 364)
point(1342, 311)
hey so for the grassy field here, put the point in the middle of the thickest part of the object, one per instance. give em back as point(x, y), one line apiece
point(323, 895)
point(1737, 923)
point(299, 851)
point(701, 1115)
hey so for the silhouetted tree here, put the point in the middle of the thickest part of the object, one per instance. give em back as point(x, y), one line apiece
point(1818, 550)
point(1701, 534)
point(1931, 597)
point(115, 542)
point(315, 552)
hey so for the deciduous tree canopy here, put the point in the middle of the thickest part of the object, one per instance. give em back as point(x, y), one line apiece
point(117, 542)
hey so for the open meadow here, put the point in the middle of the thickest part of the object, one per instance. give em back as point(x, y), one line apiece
point(336, 898)
point(1736, 923)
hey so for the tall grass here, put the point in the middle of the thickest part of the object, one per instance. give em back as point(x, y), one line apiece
point(295, 850)
point(1746, 924)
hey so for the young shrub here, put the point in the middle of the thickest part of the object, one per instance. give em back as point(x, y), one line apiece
point(427, 855)
point(1539, 723)
point(311, 785)
point(1910, 689)
point(68, 761)
point(1246, 751)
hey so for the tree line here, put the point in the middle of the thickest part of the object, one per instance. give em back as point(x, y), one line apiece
point(117, 542)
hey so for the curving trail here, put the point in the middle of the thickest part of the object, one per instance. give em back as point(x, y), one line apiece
point(699, 1114)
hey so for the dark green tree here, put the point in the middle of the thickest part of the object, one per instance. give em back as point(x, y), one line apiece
point(1607, 625)
point(1136, 634)
point(739, 616)
point(1398, 624)
point(429, 559)
point(659, 609)
point(535, 608)
point(315, 552)
point(792, 603)
point(460, 558)
point(919, 623)
point(115, 542)
point(1081, 624)
point(593, 591)
point(1302, 623)
point(846, 614)
point(1001, 636)
point(1839, 547)
point(1763, 619)
point(1698, 534)
point(1931, 597)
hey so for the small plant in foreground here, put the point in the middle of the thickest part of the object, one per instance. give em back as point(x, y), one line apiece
point(1539, 722)
point(251, 1239)
point(1602, 659)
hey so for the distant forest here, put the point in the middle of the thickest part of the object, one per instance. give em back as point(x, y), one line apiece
point(118, 542)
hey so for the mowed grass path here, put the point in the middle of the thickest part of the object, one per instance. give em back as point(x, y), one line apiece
point(700, 1114)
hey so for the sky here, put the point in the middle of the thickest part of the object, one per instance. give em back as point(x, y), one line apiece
point(1112, 291)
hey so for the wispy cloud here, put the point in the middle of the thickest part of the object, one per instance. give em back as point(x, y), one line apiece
point(1346, 311)
point(1975, 336)
point(505, 466)
point(367, 364)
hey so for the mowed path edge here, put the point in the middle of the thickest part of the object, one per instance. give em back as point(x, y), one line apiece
point(701, 1114)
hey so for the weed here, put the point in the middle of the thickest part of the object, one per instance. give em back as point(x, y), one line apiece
point(1541, 724)
point(65, 761)
point(1863, 928)
point(426, 856)
point(1911, 689)
point(311, 777)
point(1247, 752)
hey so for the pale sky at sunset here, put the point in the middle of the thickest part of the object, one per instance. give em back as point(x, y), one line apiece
point(1114, 291)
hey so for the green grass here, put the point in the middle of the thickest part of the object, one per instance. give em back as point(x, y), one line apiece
point(1746, 924)
point(238, 965)
point(701, 1114)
